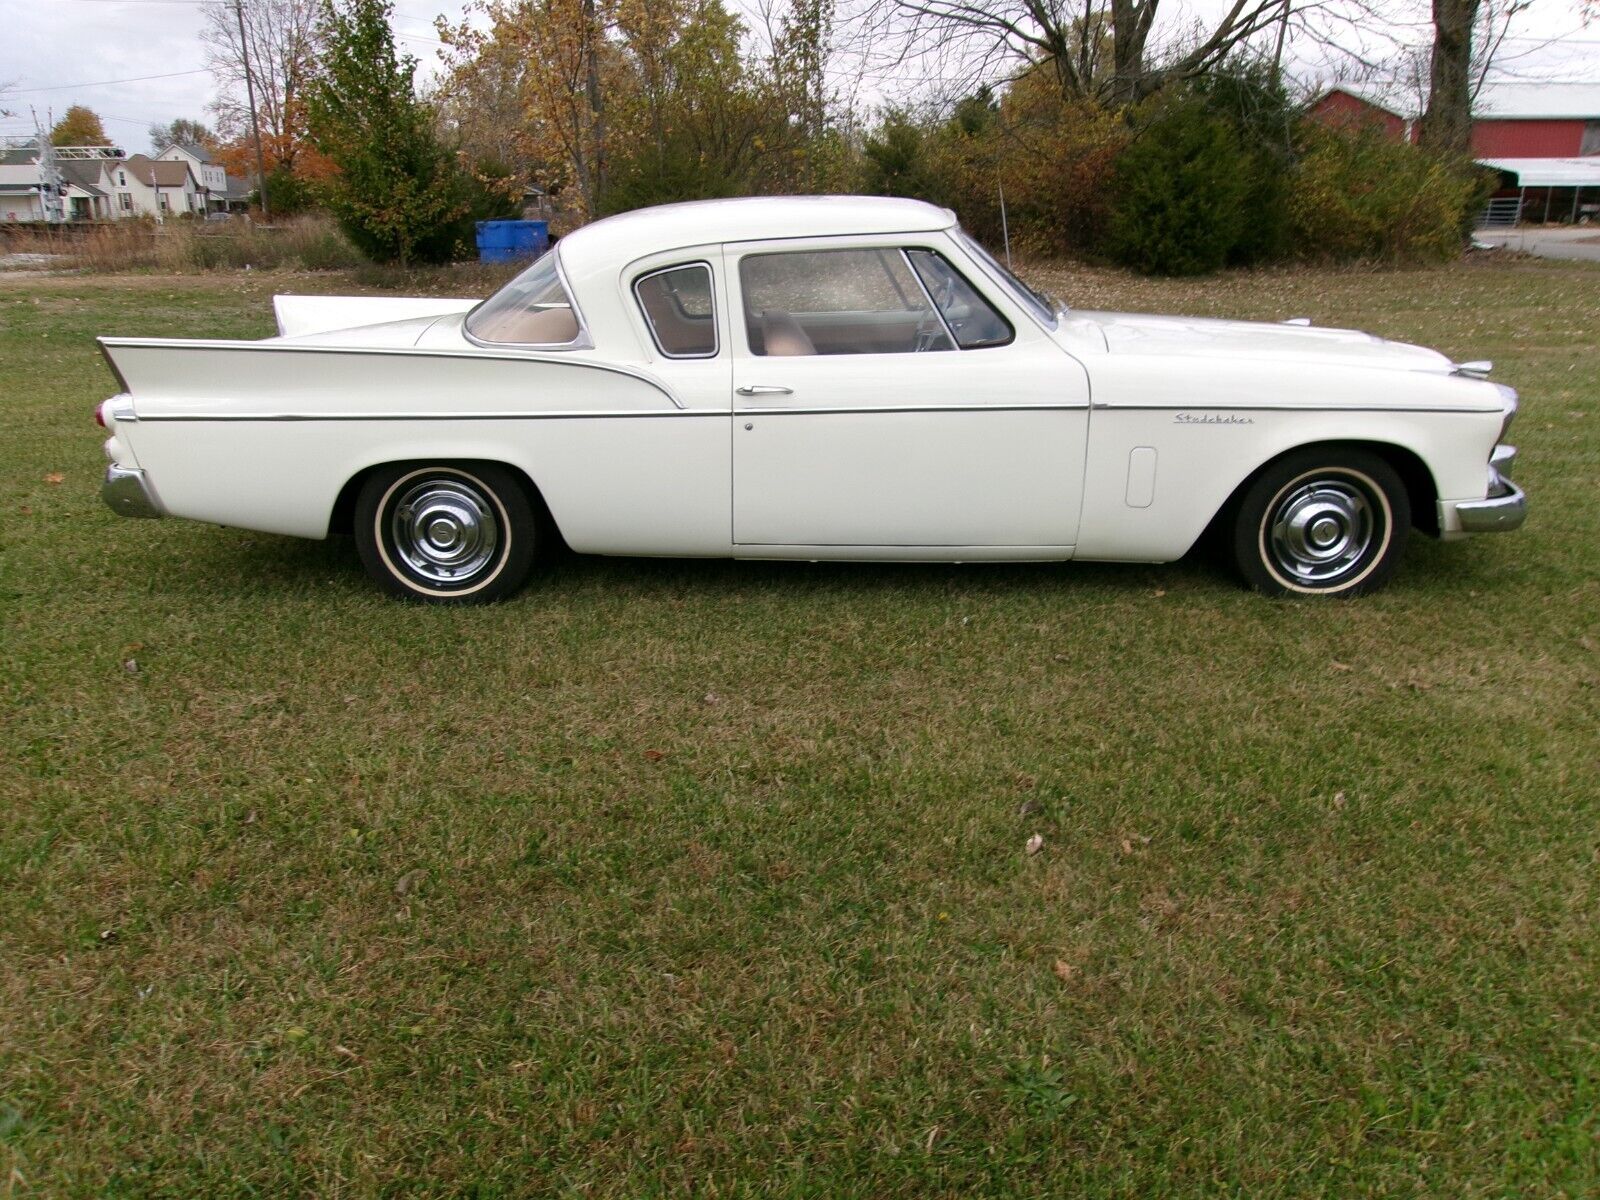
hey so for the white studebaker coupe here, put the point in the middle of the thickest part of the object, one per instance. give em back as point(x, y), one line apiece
point(805, 378)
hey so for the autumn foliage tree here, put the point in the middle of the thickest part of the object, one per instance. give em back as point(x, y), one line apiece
point(398, 192)
point(619, 103)
point(80, 126)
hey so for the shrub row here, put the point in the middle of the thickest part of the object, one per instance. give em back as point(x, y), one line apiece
point(1222, 172)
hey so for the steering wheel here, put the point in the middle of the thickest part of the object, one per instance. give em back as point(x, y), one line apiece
point(929, 333)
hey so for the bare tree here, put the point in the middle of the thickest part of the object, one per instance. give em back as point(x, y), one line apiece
point(1106, 50)
point(280, 37)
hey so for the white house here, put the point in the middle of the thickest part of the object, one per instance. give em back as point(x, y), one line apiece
point(213, 178)
point(144, 186)
point(89, 192)
point(98, 184)
point(19, 185)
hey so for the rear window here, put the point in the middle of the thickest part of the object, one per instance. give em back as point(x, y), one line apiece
point(534, 309)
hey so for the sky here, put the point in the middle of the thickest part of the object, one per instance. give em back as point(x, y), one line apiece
point(136, 62)
point(50, 49)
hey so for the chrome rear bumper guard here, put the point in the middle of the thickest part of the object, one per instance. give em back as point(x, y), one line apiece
point(1506, 506)
point(127, 493)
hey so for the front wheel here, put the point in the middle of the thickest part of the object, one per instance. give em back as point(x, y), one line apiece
point(446, 533)
point(1322, 523)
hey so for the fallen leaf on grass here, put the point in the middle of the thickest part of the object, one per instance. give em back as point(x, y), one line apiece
point(655, 755)
point(410, 881)
point(1338, 799)
point(1064, 970)
point(1034, 844)
point(55, 477)
point(131, 666)
point(1028, 807)
point(1339, 666)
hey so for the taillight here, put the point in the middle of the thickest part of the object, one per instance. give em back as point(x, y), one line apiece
point(100, 415)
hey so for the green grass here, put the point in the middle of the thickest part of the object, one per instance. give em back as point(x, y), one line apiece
point(706, 877)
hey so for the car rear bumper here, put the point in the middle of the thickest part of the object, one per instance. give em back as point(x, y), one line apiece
point(1505, 507)
point(127, 493)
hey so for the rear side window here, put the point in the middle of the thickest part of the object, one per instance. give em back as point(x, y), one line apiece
point(680, 311)
point(972, 320)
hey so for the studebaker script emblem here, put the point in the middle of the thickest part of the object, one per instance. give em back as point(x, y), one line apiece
point(1184, 418)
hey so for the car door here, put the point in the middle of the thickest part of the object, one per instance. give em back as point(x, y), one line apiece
point(887, 395)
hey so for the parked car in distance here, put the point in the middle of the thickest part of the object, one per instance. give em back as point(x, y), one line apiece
point(805, 378)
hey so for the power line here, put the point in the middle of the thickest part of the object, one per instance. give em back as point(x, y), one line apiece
point(70, 87)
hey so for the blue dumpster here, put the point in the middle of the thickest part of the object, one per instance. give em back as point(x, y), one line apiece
point(507, 241)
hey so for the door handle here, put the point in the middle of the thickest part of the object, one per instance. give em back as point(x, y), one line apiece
point(764, 389)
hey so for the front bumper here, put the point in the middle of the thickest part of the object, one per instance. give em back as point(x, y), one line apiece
point(127, 493)
point(1505, 507)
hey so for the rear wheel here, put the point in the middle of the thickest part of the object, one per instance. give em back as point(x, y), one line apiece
point(1322, 523)
point(446, 533)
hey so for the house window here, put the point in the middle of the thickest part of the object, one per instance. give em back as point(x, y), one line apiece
point(122, 179)
point(125, 201)
point(161, 201)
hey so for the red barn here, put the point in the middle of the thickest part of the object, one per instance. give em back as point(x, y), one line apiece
point(1510, 120)
point(1536, 120)
point(1543, 138)
point(1351, 105)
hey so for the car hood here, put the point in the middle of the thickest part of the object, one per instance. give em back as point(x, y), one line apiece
point(1198, 337)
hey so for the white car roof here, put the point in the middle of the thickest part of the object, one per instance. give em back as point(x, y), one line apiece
point(612, 243)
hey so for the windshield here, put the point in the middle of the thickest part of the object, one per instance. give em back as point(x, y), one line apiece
point(1044, 305)
point(534, 309)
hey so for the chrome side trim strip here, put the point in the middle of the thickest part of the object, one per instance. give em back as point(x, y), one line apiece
point(388, 351)
point(438, 416)
point(1101, 406)
point(776, 410)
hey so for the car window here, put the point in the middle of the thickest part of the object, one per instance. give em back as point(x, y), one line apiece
point(1043, 304)
point(534, 309)
point(970, 318)
point(806, 302)
point(679, 309)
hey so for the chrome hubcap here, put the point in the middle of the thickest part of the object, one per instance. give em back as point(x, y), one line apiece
point(1318, 530)
point(445, 530)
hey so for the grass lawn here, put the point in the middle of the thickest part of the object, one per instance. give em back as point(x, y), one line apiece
point(671, 878)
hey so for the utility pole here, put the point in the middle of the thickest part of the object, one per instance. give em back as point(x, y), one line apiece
point(50, 181)
point(255, 124)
